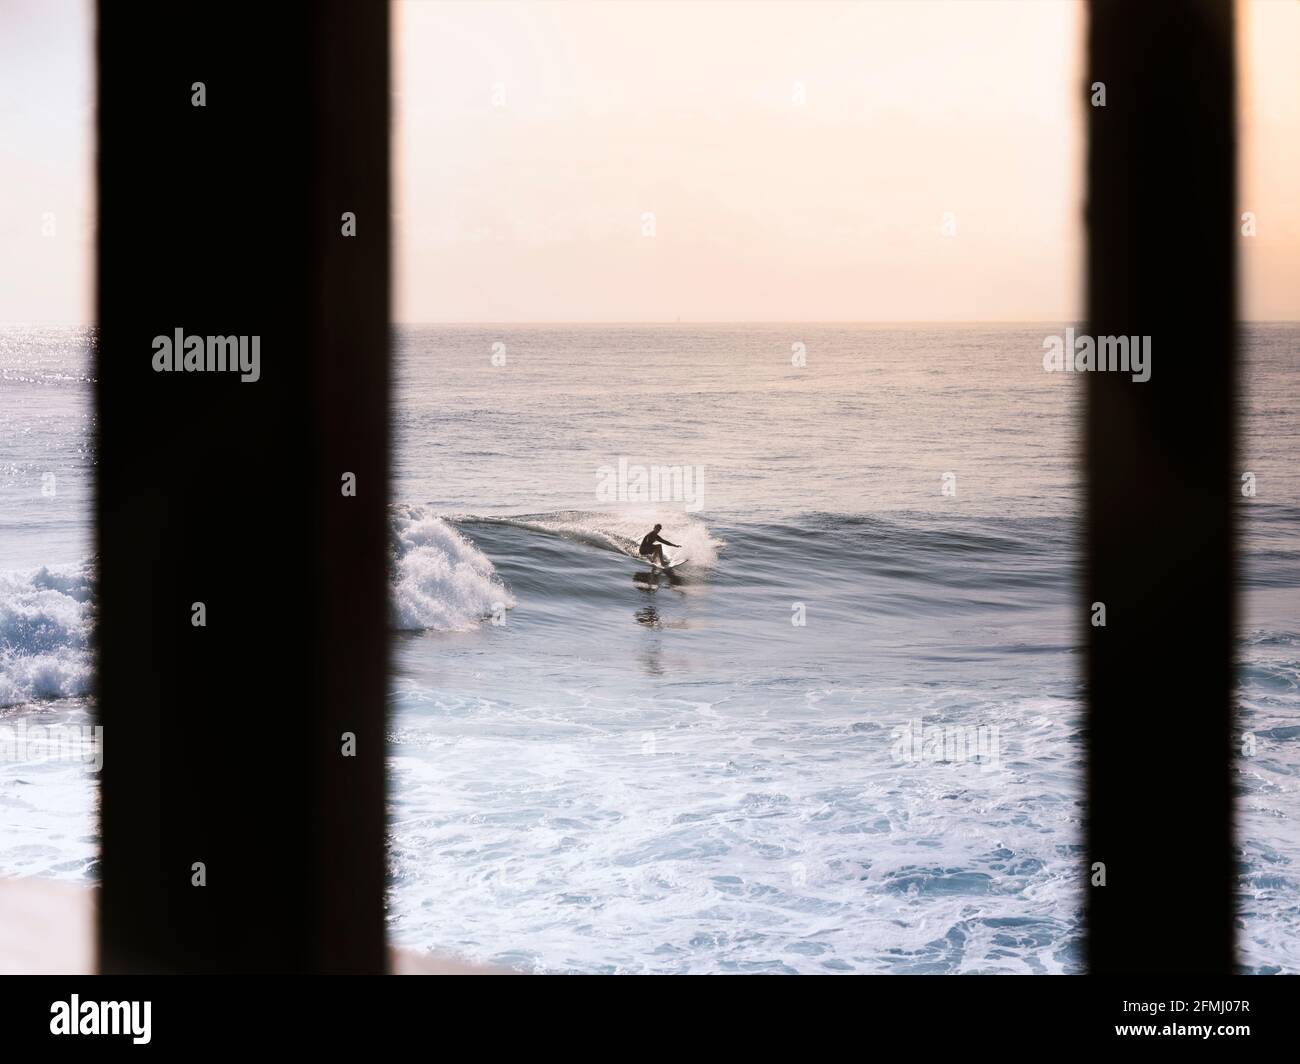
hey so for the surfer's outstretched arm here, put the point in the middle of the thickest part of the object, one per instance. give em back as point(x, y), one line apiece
point(668, 543)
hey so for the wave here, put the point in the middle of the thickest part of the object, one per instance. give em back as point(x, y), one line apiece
point(46, 616)
point(619, 531)
point(440, 580)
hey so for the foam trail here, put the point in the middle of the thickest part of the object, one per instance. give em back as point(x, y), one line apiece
point(440, 579)
point(45, 621)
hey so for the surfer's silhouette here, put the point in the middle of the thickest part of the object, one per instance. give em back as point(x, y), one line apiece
point(650, 546)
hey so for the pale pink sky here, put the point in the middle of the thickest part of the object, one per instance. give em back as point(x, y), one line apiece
point(532, 137)
point(47, 137)
point(1269, 161)
point(766, 208)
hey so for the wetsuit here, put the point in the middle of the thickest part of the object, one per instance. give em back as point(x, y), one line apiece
point(649, 549)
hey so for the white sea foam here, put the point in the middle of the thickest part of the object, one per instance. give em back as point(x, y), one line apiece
point(440, 579)
point(45, 622)
point(742, 836)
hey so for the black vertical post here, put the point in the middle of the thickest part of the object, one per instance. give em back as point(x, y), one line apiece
point(1161, 263)
point(220, 211)
point(350, 342)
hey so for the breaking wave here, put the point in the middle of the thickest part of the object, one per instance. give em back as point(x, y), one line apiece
point(440, 580)
point(46, 617)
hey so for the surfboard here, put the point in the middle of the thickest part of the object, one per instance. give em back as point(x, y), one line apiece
point(673, 563)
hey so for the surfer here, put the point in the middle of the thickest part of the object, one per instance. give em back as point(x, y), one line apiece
point(650, 546)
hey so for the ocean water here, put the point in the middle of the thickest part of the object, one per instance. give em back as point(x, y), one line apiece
point(600, 769)
point(844, 737)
